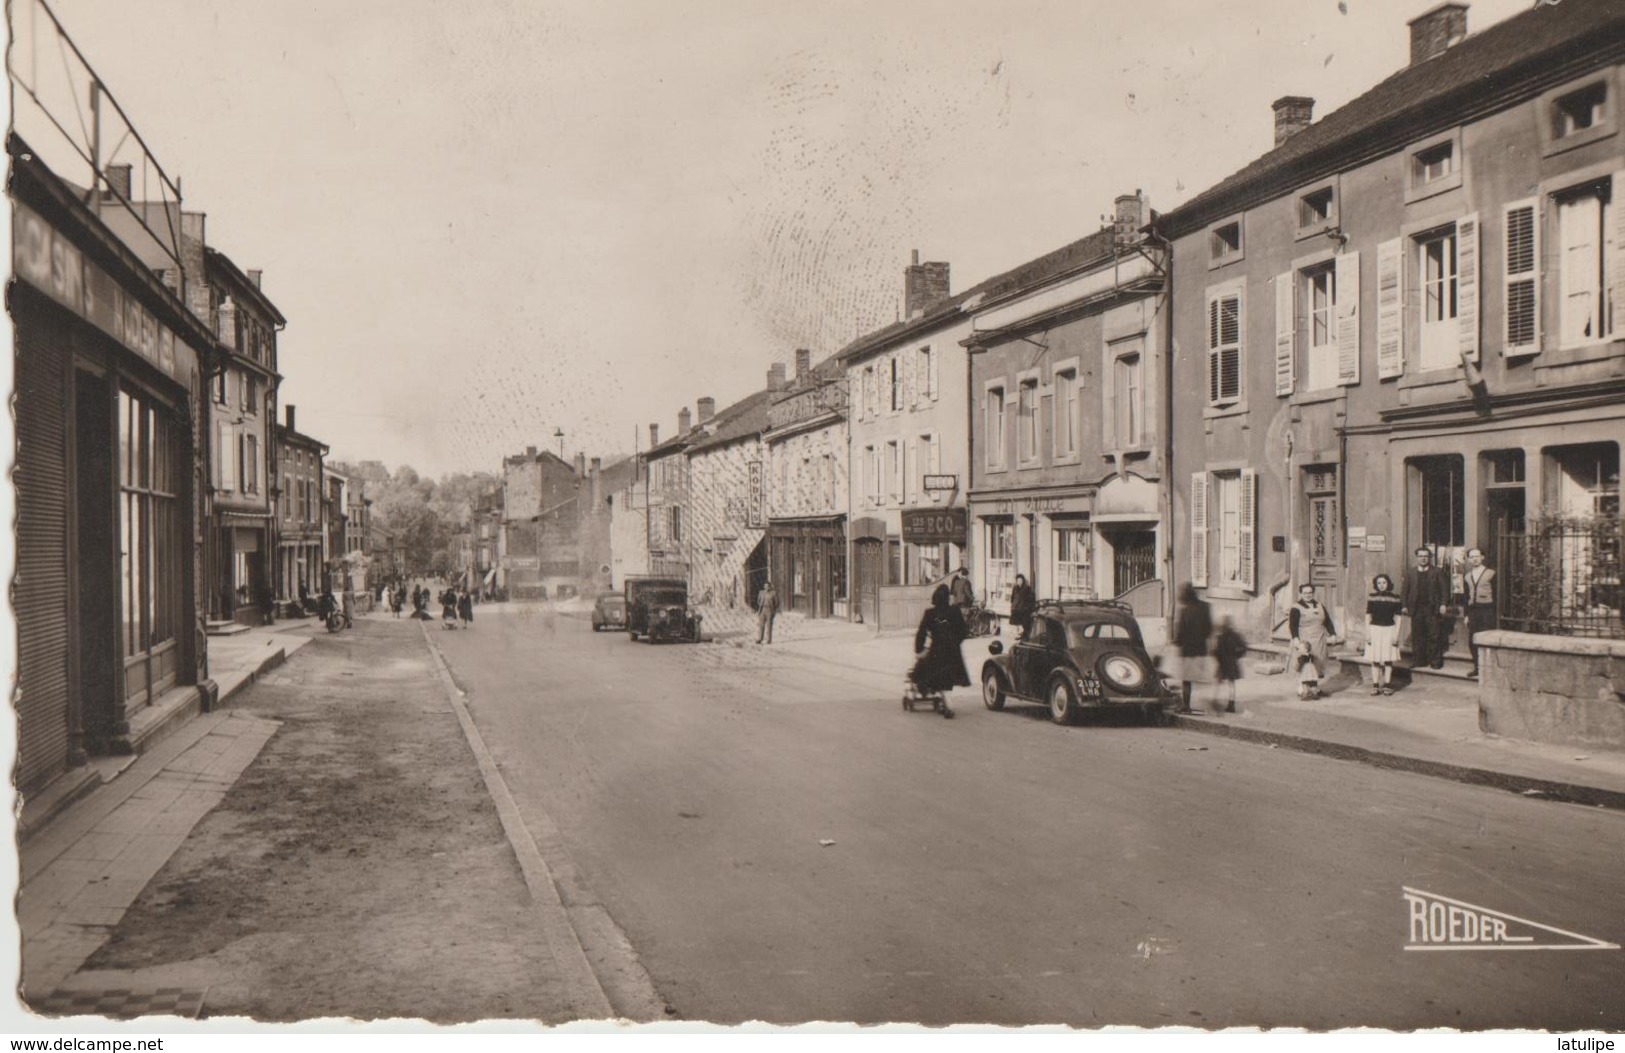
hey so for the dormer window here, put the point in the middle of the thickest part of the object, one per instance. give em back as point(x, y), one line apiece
point(1580, 110)
point(1224, 243)
point(1577, 113)
point(1315, 208)
point(1434, 164)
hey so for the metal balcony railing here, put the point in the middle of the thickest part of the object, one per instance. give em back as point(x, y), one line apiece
point(1563, 578)
point(72, 123)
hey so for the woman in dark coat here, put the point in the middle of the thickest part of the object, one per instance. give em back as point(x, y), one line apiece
point(465, 608)
point(941, 667)
point(1192, 627)
point(1022, 605)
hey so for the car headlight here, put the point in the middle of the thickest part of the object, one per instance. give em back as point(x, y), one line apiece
point(1122, 672)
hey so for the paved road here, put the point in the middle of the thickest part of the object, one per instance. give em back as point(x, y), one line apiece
point(997, 868)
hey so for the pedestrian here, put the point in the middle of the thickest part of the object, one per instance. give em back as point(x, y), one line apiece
point(1312, 634)
point(767, 608)
point(939, 666)
point(1229, 648)
point(465, 609)
point(963, 596)
point(1192, 627)
point(398, 601)
point(1022, 605)
point(1425, 598)
point(1382, 609)
point(448, 608)
point(386, 597)
point(1478, 597)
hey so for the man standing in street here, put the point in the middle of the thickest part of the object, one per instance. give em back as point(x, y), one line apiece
point(767, 607)
point(1426, 598)
point(960, 593)
point(1478, 596)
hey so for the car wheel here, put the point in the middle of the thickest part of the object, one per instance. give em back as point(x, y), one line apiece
point(1063, 702)
point(993, 689)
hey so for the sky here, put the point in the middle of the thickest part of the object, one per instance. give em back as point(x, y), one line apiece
point(491, 220)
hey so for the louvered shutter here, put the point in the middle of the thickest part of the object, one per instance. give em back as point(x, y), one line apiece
point(1613, 320)
point(226, 451)
point(1285, 324)
point(1467, 284)
point(1391, 308)
point(1248, 541)
point(1348, 318)
point(1199, 490)
point(935, 373)
point(1521, 274)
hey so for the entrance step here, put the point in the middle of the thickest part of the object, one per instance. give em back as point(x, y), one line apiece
point(224, 628)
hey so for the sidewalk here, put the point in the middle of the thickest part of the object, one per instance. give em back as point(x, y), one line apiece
point(1429, 727)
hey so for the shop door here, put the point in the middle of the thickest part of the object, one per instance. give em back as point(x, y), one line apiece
point(95, 555)
point(870, 555)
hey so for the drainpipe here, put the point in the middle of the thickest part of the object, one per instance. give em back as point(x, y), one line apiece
point(1166, 497)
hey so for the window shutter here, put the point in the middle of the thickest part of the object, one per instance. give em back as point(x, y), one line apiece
point(854, 395)
point(226, 452)
point(1391, 308)
point(1285, 323)
point(1248, 541)
point(1348, 318)
point(911, 380)
point(911, 470)
point(1613, 321)
point(936, 455)
point(935, 389)
point(1199, 529)
point(1521, 272)
point(1467, 284)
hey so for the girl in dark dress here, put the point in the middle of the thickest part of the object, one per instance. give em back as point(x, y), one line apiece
point(465, 608)
point(1229, 648)
point(1192, 627)
point(940, 667)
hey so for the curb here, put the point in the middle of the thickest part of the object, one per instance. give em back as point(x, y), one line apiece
point(1524, 785)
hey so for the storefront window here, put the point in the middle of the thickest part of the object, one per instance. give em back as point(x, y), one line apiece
point(1074, 574)
point(151, 568)
point(999, 569)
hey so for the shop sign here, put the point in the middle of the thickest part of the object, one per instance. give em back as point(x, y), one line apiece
point(941, 482)
point(1034, 505)
point(754, 518)
point(934, 526)
point(52, 264)
point(1376, 542)
point(523, 562)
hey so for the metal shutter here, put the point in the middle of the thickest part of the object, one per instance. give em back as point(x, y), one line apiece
point(40, 590)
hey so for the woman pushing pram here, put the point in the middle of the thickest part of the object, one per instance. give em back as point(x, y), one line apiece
point(940, 667)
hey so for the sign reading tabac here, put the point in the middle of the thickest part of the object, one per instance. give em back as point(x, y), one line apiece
point(934, 526)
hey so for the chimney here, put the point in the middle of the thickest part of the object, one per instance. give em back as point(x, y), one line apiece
point(775, 377)
point(530, 453)
point(803, 362)
point(118, 180)
point(1293, 113)
point(654, 436)
point(1436, 30)
point(254, 277)
point(924, 286)
point(594, 467)
point(581, 465)
point(1128, 217)
point(225, 326)
point(707, 408)
point(289, 407)
point(683, 421)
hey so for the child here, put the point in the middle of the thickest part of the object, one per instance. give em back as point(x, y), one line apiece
point(1382, 633)
point(1228, 650)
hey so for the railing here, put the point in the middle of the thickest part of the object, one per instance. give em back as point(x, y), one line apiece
point(1563, 578)
point(72, 123)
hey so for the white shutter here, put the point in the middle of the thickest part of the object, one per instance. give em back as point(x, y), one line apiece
point(1348, 318)
point(226, 453)
point(1199, 490)
point(1285, 324)
point(936, 455)
point(1248, 541)
point(911, 379)
point(1391, 308)
point(1521, 276)
point(1613, 311)
point(911, 471)
point(1467, 284)
point(936, 389)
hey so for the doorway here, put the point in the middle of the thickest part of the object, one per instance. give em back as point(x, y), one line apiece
point(94, 556)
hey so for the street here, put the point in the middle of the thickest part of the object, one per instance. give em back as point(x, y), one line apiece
point(999, 869)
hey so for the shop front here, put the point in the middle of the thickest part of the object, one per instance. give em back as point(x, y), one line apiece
point(807, 558)
point(1048, 536)
point(108, 386)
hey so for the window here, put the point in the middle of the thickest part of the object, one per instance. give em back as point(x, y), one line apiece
point(993, 433)
point(894, 469)
point(1074, 576)
point(925, 362)
point(1585, 313)
point(829, 481)
point(1434, 167)
point(1436, 487)
point(251, 464)
point(1224, 243)
point(1440, 303)
point(676, 529)
point(895, 365)
point(1433, 164)
point(1067, 420)
point(871, 399)
point(999, 567)
point(1027, 419)
point(1579, 111)
point(1128, 400)
point(871, 468)
point(1225, 503)
point(1320, 307)
point(1224, 348)
point(1316, 210)
point(220, 393)
point(1227, 509)
point(152, 560)
point(930, 455)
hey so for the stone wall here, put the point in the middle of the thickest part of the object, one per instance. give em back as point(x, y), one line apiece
point(721, 534)
point(1552, 688)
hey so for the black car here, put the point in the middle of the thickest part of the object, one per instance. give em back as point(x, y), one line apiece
point(609, 612)
point(657, 609)
point(1080, 654)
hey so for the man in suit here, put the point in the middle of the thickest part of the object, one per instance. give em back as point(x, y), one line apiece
point(1478, 596)
point(1425, 594)
point(767, 608)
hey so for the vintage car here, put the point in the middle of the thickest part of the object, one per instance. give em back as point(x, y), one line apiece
point(657, 609)
point(609, 612)
point(1080, 654)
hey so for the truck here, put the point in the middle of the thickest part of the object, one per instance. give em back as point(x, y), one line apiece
point(657, 609)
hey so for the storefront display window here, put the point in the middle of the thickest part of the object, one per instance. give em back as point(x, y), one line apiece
point(1074, 573)
point(151, 569)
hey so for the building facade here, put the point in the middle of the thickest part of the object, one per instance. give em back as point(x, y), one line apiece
point(1405, 320)
point(539, 524)
point(807, 492)
point(1068, 458)
point(665, 505)
point(726, 552)
point(300, 522)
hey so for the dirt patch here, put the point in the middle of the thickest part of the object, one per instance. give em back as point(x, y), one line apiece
point(357, 869)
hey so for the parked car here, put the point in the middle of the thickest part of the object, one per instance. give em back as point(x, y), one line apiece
point(609, 612)
point(1080, 654)
point(657, 608)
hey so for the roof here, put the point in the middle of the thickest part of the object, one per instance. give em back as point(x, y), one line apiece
point(744, 418)
point(286, 434)
point(1538, 44)
point(831, 368)
point(220, 259)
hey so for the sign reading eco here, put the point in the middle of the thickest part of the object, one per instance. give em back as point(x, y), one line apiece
point(934, 526)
